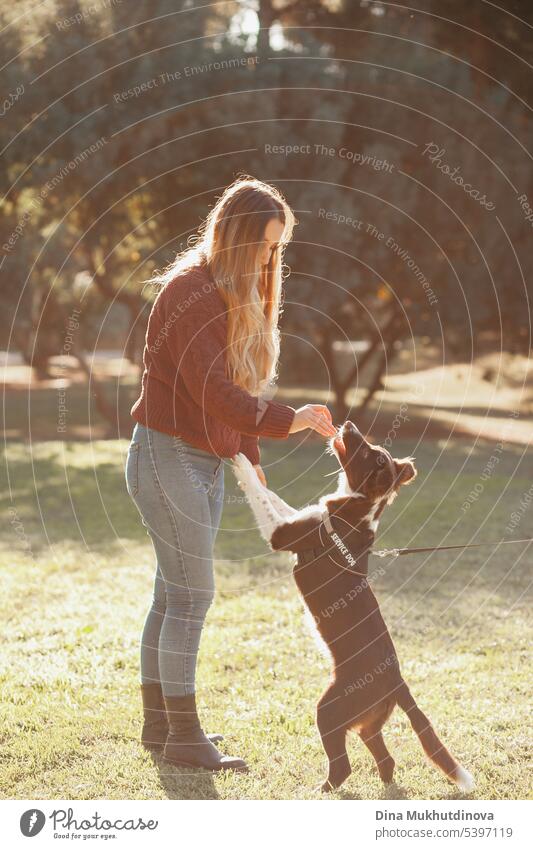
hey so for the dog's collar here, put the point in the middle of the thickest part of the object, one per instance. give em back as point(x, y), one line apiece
point(326, 521)
point(336, 548)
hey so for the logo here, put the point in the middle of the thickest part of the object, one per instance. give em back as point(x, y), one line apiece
point(333, 543)
point(31, 822)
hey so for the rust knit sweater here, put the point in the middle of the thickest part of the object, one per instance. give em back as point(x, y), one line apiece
point(185, 390)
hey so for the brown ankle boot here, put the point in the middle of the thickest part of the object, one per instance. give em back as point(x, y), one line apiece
point(155, 727)
point(186, 744)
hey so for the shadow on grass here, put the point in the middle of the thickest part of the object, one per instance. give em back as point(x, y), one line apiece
point(89, 504)
point(56, 501)
point(395, 791)
point(182, 783)
point(388, 791)
point(76, 493)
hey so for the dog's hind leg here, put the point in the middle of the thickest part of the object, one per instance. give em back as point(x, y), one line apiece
point(373, 740)
point(333, 737)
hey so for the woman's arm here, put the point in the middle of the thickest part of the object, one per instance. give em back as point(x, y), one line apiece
point(250, 448)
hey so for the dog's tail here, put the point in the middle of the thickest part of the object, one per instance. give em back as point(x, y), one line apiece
point(434, 749)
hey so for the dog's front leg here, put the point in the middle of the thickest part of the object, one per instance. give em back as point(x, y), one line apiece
point(259, 497)
point(285, 510)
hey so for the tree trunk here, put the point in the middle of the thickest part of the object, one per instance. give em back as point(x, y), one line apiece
point(339, 387)
point(385, 357)
point(266, 16)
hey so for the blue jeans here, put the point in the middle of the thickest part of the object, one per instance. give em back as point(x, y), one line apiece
point(179, 492)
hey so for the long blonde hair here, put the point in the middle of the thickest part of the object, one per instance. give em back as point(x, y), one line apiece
point(228, 243)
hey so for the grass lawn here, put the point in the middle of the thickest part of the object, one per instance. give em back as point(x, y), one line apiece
point(77, 574)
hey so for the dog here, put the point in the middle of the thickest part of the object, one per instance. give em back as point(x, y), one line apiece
point(332, 541)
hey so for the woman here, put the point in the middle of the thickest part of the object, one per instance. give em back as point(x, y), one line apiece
point(210, 358)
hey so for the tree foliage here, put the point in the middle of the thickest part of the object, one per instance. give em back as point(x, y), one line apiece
point(130, 118)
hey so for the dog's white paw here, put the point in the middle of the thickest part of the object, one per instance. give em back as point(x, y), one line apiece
point(464, 780)
point(241, 461)
point(242, 469)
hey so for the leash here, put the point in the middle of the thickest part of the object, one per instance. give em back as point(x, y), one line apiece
point(400, 552)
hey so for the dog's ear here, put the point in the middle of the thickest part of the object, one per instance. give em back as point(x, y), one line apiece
point(405, 471)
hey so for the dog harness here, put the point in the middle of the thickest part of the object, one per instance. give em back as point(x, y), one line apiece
point(335, 547)
point(339, 552)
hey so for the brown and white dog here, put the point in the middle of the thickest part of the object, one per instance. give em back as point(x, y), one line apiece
point(332, 540)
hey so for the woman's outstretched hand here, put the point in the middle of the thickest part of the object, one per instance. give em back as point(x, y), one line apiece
point(315, 416)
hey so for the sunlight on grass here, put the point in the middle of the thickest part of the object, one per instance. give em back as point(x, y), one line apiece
point(78, 571)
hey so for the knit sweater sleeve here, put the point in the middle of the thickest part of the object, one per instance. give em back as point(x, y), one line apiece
point(197, 351)
point(250, 448)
